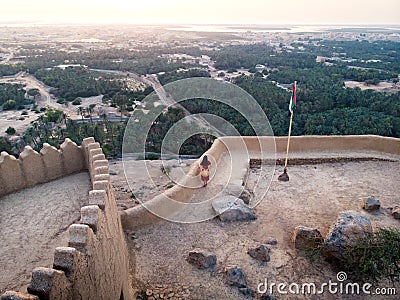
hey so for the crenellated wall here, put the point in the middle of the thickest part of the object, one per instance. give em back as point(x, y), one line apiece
point(272, 148)
point(33, 168)
point(95, 263)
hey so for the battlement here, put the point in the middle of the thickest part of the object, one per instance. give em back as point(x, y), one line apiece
point(33, 168)
point(94, 264)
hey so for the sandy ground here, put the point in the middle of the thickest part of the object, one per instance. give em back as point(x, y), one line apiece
point(35, 221)
point(313, 197)
point(148, 182)
point(11, 119)
point(381, 87)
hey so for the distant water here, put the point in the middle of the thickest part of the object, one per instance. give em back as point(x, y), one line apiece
point(283, 28)
point(230, 28)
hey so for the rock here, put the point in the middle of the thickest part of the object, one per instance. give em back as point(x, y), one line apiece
point(201, 259)
point(230, 208)
point(271, 241)
point(149, 292)
point(122, 206)
point(235, 276)
point(350, 228)
point(306, 238)
point(11, 295)
point(260, 253)
point(246, 196)
point(267, 297)
point(370, 204)
point(247, 292)
point(396, 213)
point(112, 172)
point(239, 192)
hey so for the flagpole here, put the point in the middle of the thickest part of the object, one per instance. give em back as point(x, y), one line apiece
point(288, 141)
point(284, 176)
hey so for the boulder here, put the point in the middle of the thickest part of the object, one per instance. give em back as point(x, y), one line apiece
point(396, 213)
point(306, 238)
point(370, 203)
point(260, 253)
point(239, 191)
point(350, 228)
point(201, 259)
point(230, 208)
point(235, 276)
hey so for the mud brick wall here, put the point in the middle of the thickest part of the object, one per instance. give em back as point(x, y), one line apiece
point(95, 263)
point(33, 168)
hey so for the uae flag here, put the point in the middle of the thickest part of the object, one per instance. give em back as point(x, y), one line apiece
point(292, 103)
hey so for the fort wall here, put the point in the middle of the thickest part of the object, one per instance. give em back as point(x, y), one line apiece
point(271, 147)
point(33, 168)
point(95, 263)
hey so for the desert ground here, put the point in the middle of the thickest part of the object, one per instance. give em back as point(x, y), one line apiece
point(33, 222)
point(314, 196)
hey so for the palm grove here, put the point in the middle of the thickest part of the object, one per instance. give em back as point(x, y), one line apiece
point(325, 105)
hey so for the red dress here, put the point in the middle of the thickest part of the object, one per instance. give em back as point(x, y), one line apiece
point(205, 171)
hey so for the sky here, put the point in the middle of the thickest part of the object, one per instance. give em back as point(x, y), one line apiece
point(203, 11)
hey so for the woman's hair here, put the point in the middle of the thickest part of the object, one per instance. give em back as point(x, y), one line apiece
point(204, 162)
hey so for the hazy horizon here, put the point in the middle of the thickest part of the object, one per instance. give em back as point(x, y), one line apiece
point(204, 12)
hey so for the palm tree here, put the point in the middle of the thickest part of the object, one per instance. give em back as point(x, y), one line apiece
point(81, 111)
point(90, 110)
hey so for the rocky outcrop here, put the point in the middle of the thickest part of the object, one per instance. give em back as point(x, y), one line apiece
point(230, 208)
point(306, 238)
point(350, 228)
point(260, 253)
point(201, 259)
point(370, 204)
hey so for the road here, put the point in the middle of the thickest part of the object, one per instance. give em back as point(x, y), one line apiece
point(8, 58)
point(46, 99)
point(12, 118)
point(166, 100)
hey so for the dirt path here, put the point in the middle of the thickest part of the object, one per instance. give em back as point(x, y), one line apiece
point(313, 197)
point(33, 222)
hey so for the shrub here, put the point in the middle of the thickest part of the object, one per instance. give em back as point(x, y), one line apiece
point(378, 257)
point(9, 104)
point(77, 101)
point(10, 130)
point(165, 169)
point(24, 113)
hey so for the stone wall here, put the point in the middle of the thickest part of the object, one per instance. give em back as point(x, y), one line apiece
point(95, 263)
point(272, 148)
point(33, 168)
